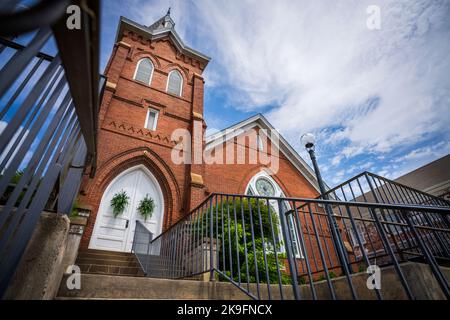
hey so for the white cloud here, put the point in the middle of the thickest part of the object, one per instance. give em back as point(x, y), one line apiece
point(317, 66)
point(425, 153)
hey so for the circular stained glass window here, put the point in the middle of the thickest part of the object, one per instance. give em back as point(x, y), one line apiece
point(265, 187)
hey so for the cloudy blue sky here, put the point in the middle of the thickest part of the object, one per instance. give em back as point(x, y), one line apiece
point(377, 100)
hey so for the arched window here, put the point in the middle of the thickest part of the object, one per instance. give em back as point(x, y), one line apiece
point(175, 83)
point(263, 185)
point(144, 71)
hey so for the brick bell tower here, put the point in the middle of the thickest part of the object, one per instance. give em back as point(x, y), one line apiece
point(154, 86)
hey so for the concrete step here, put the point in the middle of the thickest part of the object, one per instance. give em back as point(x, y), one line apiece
point(119, 253)
point(105, 254)
point(96, 286)
point(105, 257)
point(109, 262)
point(111, 270)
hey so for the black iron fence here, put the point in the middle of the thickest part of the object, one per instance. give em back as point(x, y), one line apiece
point(48, 116)
point(285, 248)
point(369, 187)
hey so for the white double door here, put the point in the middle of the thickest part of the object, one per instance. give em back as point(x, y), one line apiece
point(116, 233)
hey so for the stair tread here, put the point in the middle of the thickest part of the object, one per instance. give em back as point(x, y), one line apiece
point(118, 263)
point(109, 263)
point(105, 252)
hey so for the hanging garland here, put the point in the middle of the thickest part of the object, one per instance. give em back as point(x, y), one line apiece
point(146, 207)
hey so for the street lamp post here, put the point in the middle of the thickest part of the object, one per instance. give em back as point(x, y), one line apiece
point(308, 140)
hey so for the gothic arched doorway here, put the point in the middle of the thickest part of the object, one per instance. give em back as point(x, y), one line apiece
point(116, 233)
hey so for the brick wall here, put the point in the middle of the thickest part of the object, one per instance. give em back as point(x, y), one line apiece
point(123, 142)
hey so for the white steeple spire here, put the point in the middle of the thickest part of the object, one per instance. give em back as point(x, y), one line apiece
point(164, 23)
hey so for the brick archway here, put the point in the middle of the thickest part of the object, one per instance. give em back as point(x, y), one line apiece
point(114, 166)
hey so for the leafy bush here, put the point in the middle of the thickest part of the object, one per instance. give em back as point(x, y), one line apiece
point(9, 190)
point(74, 210)
point(235, 240)
point(16, 177)
point(301, 280)
point(362, 268)
point(331, 274)
point(119, 202)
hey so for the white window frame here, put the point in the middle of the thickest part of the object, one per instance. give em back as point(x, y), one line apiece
point(155, 124)
point(181, 84)
point(360, 231)
point(260, 143)
point(278, 193)
point(137, 67)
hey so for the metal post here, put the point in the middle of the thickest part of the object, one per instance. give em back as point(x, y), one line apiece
point(211, 235)
point(289, 253)
point(333, 224)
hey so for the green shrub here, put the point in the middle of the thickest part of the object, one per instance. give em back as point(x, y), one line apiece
point(361, 268)
point(236, 238)
point(301, 280)
point(331, 274)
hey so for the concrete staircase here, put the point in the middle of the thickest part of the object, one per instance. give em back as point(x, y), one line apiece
point(160, 267)
point(100, 284)
point(108, 263)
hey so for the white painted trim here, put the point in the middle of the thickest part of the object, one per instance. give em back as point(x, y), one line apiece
point(181, 85)
point(261, 122)
point(260, 142)
point(153, 35)
point(137, 67)
point(278, 193)
point(155, 125)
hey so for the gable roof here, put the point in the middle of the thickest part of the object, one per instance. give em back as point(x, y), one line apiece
point(160, 29)
point(433, 177)
point(260, 121)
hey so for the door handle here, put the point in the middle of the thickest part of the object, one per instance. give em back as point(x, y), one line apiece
point(126, 224)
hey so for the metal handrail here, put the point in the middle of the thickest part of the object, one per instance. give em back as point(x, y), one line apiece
point(54, 121)
point(436, 209)
point(205, 243)
point(370, 174)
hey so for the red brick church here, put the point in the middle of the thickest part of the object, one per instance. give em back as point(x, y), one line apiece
point(155, 87)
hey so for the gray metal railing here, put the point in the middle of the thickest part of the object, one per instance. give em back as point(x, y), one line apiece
point(283, 248)
point(48, 112)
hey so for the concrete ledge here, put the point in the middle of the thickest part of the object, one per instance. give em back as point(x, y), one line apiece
point(81, 221)
point(196, 179)
point(110, 86)
point(120, 287)
point(197, 116)
point(40, 270)
point(419, 277)
point(84, 207)
point(124, 44)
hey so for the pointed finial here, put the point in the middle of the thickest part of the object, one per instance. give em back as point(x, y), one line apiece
point(168, 12)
